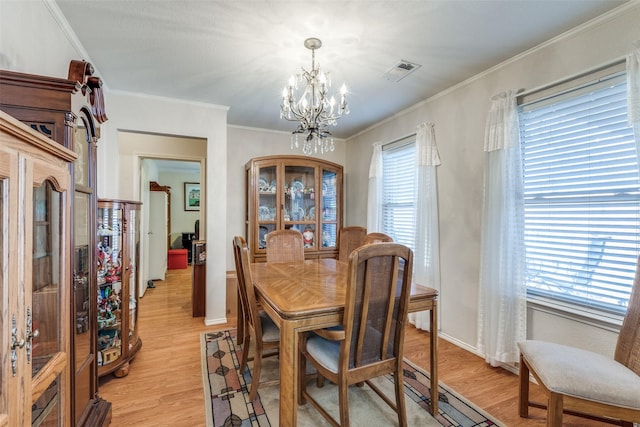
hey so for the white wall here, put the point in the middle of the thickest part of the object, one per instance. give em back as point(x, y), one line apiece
point(33, 41)
point(459, 115)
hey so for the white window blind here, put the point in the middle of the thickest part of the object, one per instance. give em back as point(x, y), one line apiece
point(399, 191)
point(582, 196)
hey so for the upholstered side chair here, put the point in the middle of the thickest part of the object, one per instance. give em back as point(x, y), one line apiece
point(584, 383)
point(370, 342)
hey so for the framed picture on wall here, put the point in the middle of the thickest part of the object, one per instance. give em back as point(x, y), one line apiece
point(191, 196)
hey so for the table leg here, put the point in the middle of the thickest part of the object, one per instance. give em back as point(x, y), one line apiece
point(433, 318)
point(288, 374)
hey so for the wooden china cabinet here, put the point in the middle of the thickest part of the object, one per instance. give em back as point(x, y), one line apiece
point(35, 236)
point(294, 192)
point(118, 257)
point(69, 111)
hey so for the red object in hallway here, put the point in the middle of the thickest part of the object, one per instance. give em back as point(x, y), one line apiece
point(177, 259)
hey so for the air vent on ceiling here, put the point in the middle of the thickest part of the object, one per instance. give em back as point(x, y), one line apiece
point(400, 70)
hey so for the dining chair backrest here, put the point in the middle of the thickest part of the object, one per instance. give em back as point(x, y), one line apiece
point(245, 285)
point(376, 304)
point(349, 238)
point(285, 246)
point(370, 342)
point(377, 238)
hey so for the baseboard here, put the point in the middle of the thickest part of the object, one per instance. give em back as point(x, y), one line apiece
point(213, 322)
point(473, 350)
point(460, 344)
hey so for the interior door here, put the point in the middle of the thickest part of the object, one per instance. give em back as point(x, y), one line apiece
point(157, 234)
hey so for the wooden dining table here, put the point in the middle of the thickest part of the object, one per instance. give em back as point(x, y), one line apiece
point(306, 295)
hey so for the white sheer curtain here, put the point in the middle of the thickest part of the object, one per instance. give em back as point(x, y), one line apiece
point(633, 93)
point(426, 263)
point(502, 296)
point(374, 202)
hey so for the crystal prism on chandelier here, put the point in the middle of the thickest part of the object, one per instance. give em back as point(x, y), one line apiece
point(315, 110)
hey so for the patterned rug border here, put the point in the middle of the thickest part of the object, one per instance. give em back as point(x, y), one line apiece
point(414, 389)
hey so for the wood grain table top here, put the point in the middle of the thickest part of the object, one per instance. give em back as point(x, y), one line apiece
point(298, 289)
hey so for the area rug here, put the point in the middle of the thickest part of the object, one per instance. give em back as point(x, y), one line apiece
point(226, 393)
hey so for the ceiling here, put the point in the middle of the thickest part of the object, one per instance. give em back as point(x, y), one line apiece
point(241, 53)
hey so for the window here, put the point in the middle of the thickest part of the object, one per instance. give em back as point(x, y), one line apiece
point(581, 194)
point(399, 191)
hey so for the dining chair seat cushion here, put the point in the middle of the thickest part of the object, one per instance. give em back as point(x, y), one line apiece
point(270, 331)
point(326, 352)
point(564, 369)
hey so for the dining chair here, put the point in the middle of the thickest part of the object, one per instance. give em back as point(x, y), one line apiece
point(349, 238)
point(258, 325)
point(377, 238)
point(285, 246)
point(584, 383)
point(369, 342)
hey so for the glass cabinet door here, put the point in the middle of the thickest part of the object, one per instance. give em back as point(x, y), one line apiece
point(267, 203)
point(45, 348)
point(300, 202)
point(133, 255)
point(83, 302)
point(109, 262)
point(35, 267)
point(329, 202)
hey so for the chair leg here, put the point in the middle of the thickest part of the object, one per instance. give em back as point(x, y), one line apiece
point(343, 401)
point(255, 375)
point(554, 410)
point(523, 396)
point(400, 406)
point(246, 342)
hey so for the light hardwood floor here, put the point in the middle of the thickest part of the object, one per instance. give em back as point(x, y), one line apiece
point(164, 385)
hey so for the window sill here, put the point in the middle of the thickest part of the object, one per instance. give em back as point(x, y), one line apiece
point(607, 321)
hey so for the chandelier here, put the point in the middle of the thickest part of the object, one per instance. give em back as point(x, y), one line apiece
point(314, 109)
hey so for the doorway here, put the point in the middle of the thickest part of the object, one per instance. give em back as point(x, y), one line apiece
point(167, 219)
